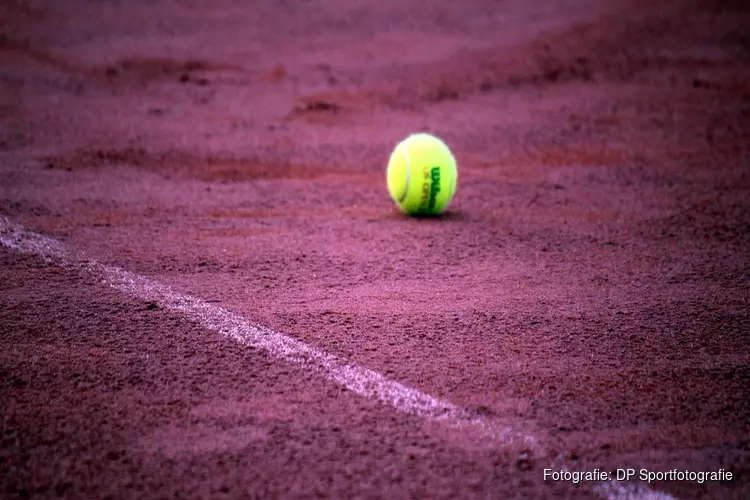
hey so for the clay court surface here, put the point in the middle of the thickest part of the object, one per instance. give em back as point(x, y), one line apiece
point(583, 303)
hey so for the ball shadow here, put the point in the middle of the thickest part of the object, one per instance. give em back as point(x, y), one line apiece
point(447, 216)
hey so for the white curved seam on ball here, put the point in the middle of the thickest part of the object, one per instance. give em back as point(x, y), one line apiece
point(408, 174)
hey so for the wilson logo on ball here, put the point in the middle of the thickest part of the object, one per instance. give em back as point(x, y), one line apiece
point(430, 189)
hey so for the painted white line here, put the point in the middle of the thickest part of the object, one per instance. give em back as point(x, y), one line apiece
point(357, 379)
point(363, 381)
point(614, 490)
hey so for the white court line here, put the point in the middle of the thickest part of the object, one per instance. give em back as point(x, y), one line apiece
point(363, 381)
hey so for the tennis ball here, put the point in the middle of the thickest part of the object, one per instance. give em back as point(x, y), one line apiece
point(422, 175)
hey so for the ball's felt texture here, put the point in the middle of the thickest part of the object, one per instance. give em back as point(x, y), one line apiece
point(422, 175)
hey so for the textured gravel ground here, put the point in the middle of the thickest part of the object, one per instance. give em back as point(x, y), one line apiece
point(590, 284)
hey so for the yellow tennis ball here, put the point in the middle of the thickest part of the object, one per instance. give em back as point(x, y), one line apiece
point(422, 175)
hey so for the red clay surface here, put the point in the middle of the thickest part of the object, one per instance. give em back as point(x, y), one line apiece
point(591, 280)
